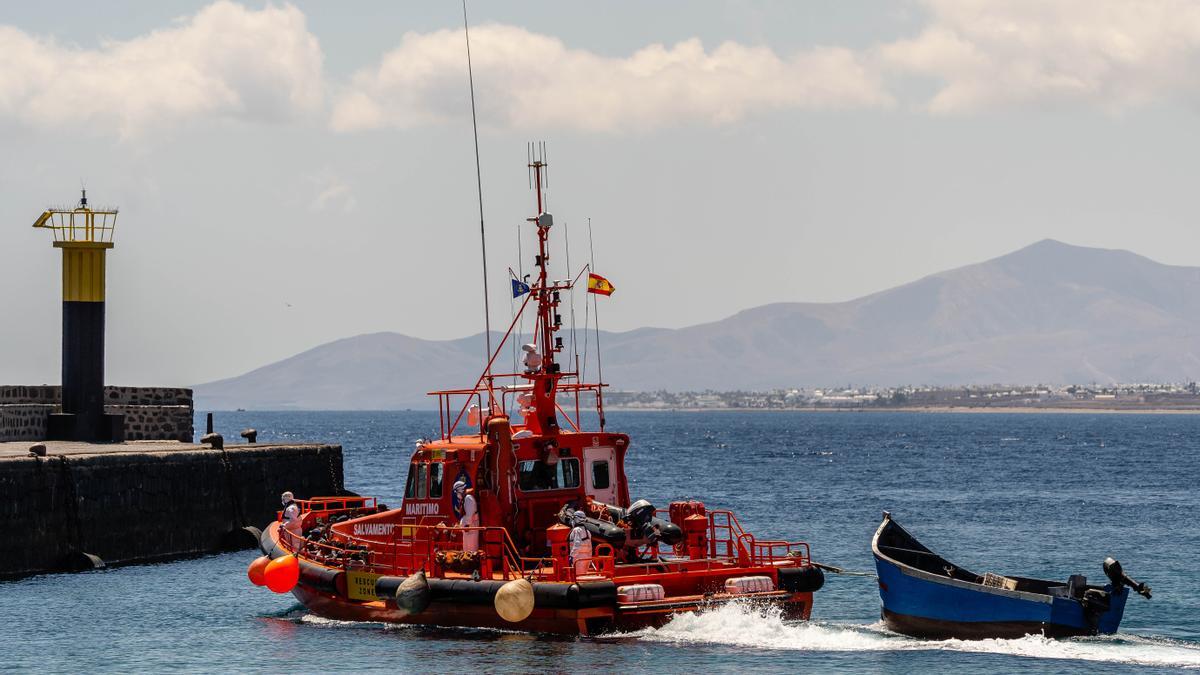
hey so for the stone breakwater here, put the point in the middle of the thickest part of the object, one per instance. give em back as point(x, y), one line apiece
point(84, 504)
point(151, 413)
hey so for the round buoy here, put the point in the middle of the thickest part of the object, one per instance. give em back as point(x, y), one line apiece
point(514, 600)
point(413, 594)
point(282, 573)
point(257, 570)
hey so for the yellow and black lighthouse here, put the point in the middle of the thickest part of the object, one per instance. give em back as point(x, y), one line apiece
point(85, 236)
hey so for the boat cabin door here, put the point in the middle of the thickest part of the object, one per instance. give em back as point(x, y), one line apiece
point(598, 468)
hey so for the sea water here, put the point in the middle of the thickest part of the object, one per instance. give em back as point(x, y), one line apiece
point(1045, 495)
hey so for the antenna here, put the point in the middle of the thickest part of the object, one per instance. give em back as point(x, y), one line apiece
point(596, 313)
point(487, 319)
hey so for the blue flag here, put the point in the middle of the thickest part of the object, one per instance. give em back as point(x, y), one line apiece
point(519, 288)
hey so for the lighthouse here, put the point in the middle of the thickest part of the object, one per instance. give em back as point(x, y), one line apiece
point(85, 236)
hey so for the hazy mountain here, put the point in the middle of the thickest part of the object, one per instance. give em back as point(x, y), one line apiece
point(1048, 313)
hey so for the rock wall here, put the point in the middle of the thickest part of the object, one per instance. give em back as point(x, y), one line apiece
point(151, 413)
point(140, 506)
point(24, 421)
point(156, 422)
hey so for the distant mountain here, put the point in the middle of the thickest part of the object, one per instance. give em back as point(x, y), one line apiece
point(1049, 313)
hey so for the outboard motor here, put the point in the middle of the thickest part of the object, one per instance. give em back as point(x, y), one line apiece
point(639, 513)
point(1117, 576)
point(647, 528)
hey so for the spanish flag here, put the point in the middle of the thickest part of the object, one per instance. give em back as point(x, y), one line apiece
point(598, 284)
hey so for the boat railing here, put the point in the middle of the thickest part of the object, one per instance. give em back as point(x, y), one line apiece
point(329, 507)
point(329, 553)
point(328, 504)
point(412, 547)
point(436, 549)
point(727, 536)
point(453, 403)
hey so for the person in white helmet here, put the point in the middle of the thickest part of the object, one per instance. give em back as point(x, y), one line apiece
point(470, 515)
point(580, 541)
point(291, 513)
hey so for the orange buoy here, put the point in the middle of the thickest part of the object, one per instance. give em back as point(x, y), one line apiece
point(282, 573)
point(256, 570)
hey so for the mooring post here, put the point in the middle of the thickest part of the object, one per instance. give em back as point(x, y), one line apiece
point(208, 428)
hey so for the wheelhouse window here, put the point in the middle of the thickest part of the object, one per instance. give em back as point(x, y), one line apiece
point(600, 475)
point(410, 487)
point(533, 475)
point(422, 478)
point(435, 480)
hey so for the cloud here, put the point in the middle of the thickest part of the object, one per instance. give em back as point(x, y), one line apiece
point(332, 194)
point(528, 80)
point(226, 61)
point(1113, 54)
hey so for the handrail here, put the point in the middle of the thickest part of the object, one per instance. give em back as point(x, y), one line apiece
point(413, 546)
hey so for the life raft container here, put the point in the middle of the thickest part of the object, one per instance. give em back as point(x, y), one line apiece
point(640, 593)
point(756, 584)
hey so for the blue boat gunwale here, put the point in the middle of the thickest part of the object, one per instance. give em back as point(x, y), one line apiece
point(909, 570)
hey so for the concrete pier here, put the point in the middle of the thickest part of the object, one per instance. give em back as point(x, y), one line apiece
point(84, 504)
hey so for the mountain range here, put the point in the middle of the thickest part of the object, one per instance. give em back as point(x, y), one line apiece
point(1049, 313)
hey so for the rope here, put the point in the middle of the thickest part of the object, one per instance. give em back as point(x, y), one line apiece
point(596, 311)
point(487, 319)
point(846, 573)
point(574, 348)
point(72, 496)
point(233, 496)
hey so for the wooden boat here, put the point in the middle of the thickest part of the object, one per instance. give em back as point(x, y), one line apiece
point(516, 443)
point(926, 596)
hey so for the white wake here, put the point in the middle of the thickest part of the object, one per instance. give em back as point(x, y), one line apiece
point(746, 626)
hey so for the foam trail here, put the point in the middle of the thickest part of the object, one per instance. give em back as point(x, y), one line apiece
point(745, 626)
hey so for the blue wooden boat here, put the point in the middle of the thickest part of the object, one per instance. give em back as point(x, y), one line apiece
point(926, 596)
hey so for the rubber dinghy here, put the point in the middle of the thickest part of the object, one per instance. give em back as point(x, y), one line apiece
point(926, 596)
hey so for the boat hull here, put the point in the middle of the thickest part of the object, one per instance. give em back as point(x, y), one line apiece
point(584, 608)
point(561, 621)
point(925, 605)
point(941, 629)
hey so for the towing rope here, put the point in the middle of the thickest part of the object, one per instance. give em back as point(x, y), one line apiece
point(843, 572)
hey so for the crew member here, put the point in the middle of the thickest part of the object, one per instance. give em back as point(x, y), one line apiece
point(470, 515)
point(580, 554)
point(291, 513)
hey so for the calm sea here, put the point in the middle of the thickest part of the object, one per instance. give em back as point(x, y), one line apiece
point(1036, 494)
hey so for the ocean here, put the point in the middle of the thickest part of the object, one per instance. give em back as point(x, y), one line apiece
point(1044, 495)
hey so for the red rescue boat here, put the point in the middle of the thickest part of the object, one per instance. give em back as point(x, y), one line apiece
point(498, 515)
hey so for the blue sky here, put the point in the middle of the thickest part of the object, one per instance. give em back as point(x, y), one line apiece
point(290, 174)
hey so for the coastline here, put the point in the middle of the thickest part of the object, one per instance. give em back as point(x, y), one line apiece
point(936, 410)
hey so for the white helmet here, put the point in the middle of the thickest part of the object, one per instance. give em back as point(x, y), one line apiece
point(286, 497)
point(460, 486)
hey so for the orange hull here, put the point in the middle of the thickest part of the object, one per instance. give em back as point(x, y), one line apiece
point(587, 621)
point(322, 590)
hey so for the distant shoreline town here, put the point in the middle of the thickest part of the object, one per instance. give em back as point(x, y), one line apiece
point(1095, 398)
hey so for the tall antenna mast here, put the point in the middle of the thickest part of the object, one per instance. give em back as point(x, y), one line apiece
point(487, 319)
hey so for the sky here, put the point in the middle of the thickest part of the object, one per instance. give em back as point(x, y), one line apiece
point(294, 173)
